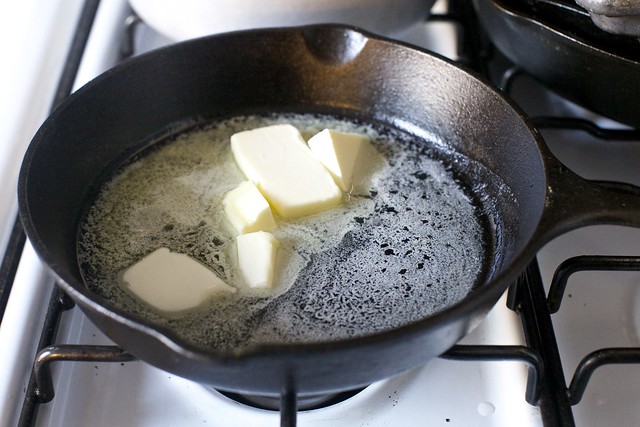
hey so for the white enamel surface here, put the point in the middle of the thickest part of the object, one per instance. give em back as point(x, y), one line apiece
point(34, 39)
point(184, 19)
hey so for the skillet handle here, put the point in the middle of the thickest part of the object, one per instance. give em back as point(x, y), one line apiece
point(573, 202)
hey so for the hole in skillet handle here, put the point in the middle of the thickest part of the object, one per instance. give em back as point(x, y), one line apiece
point(334, 44)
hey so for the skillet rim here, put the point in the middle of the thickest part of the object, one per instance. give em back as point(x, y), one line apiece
point(485, 295)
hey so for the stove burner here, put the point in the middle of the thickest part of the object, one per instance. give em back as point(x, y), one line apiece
point(304, 403)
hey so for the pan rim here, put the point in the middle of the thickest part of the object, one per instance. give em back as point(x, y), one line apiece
point(486, 294)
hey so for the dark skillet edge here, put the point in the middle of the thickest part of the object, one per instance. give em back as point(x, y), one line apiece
point(284, 356)
point(485, 297)
point(591, 201)
point(549, 27)
point(584, 74)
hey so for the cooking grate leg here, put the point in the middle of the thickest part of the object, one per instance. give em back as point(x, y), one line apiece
point(594, 360)
point(73, 353)
point(556, 398)
point(288, 408)
point(10, 263)
point(505, 353)
point(58, 303)
point(585, 263)
point(601, 357)
point(527, 298)
point(588, 126)
point(127, 46)
point(505, 83)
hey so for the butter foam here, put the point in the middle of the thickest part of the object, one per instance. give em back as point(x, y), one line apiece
point(406, 243)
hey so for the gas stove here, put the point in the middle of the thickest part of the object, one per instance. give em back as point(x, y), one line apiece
point(526, 364)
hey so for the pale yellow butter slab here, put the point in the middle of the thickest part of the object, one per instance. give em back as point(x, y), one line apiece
point(279, 162)
point(338, 152)
point(172, 282)
point(257, 258)
point(247, 209)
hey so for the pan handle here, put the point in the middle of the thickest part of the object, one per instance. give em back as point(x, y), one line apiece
point(573, 202)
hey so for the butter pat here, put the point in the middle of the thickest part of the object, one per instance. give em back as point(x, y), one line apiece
point(257, 258)
point(279, 162)
point(338, 152)
point(247, 209)
point(172, 282)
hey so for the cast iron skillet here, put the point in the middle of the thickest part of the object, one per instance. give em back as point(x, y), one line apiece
point(320, 69)
point(557, 43)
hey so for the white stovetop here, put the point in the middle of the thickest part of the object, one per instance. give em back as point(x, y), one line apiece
point(442, 393)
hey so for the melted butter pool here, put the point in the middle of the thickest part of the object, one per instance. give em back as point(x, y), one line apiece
point(407, 242)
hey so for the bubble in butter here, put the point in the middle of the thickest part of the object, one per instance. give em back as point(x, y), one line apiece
point(406, 242)
point(172, 282)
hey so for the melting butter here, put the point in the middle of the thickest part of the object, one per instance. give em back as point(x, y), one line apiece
point(277, 159)
point(257, 258)
point(406, 243)
point(338, 152)
point(247, 210)
point(171, 282)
